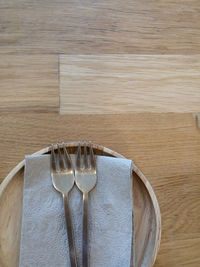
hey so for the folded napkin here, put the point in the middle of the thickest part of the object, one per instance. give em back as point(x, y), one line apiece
point(43, 234)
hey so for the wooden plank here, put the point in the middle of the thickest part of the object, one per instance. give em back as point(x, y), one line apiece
point(110, 84)
point(166, 147)
point(107, 26)
point(153, 140)
point(29, 82)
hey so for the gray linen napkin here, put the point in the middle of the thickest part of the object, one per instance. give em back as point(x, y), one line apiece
point(43, 233)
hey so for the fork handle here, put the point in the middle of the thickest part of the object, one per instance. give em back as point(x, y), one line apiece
point(72, 249)
point(85, 261)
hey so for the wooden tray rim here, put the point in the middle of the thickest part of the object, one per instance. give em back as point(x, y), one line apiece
point(149, 188)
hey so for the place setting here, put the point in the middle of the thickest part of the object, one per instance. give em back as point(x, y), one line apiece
point(78, 204)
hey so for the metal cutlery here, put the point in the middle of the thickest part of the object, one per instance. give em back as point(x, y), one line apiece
point(86, 179)
point(63, 180)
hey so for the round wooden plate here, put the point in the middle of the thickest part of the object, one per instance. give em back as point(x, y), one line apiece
point(147, 219)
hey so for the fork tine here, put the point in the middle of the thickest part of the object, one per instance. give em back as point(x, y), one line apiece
point(78, 158)
point(85, 156)
point(92, 158)
point(53, 159)
point(66, 158)
point(60, 159)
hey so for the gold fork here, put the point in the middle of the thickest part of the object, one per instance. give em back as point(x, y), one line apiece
point(86, 179)
point(63, 180)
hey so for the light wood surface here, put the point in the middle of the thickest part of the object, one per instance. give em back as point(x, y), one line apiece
point(29, 82)
point(106, 26)
point(166, 147)
point(110, 84)
point(147, 220)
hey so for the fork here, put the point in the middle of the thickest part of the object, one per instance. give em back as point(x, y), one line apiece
point(62, 174)
point(86, 179)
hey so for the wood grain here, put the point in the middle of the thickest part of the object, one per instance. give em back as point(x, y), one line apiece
point(93, 27)
point(166, 147)
point(16, 190)
point(110, 84)
point(29, 82)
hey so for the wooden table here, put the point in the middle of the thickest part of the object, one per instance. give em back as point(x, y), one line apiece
point(162, 139)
